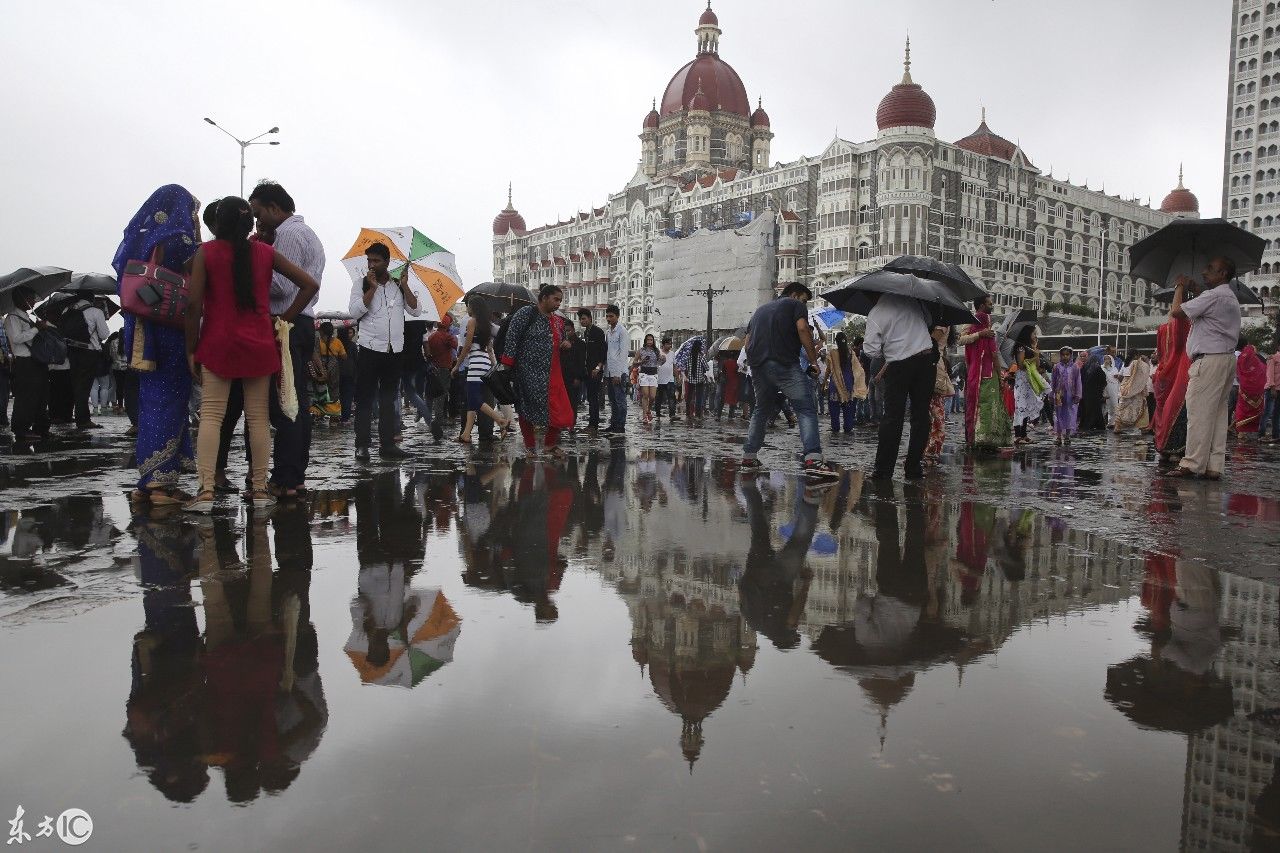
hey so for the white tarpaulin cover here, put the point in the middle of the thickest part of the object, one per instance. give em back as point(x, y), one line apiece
point(741, 260)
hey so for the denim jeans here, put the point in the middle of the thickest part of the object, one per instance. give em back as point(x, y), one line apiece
point(771, 378)
point(411, 381)
point(1271, 414)
point(617, 404)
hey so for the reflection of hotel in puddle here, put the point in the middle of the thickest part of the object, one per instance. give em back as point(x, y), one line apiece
point(1229, 766)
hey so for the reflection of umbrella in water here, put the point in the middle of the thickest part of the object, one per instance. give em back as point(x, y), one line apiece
point(422, 647)
point(944, 306)
point(42, 280)
point(886, 636)
point(1184, 246)
point(1245, 294)
point(949, 274)
point(1157, 694)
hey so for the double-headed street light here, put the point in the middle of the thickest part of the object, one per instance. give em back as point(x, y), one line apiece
point(245, 143)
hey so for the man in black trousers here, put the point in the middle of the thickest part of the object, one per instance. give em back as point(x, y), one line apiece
point(898, 333)
point(596, 354)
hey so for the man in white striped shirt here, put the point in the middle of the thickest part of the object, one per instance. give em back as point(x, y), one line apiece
point(274, 210)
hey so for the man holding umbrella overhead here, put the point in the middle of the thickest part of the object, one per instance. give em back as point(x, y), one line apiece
point(1215, 328)
point(898, 331)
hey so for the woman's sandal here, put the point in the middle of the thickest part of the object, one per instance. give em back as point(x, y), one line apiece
point(260, 500)
point(202, 502)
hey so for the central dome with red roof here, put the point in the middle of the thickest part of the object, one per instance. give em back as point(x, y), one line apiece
point(720, 84)
point(1181, 200)
point(983, 141)
point(907, 104)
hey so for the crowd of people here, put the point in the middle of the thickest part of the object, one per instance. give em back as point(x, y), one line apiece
point(252, 347)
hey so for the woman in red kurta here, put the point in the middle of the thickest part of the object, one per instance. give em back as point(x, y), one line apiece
point(1251, 372)
point(230, 335)
point(1170, 385)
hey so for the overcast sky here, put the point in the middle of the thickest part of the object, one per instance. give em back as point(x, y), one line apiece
point(395, 112)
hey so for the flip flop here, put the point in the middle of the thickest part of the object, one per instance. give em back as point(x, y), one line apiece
point(169, 497)
point(202, 503)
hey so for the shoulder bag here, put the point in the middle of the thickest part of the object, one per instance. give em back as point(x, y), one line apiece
point(501, 382)
point(149, 291)
point(47, 347)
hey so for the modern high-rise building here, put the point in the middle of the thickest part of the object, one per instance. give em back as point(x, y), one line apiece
point(1030, 238)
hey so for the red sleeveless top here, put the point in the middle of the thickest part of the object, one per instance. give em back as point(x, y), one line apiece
point(235, 343)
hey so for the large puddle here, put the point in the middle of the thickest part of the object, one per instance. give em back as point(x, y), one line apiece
point(636, 652)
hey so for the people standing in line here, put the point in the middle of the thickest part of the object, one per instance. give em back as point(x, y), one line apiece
point(230, 335)
point(1093, 402)
point(573, 367)
point(695, 383)
point(986, 421)
point(1067, 390)
point(275, 212)
point(1251, 380)
point(61, 397)
point(533, 346)
point(647, 360)
point(666, 383)
point(1131, 410)
point(898, 336)
point(1272, 388)
point(169, 222)
point(776, 334)
point(379, 303)
point(475, 360)
point(617, 359)
point(846, 384)
point(943, 390)
point(30, 386)
point(440, 348)
point(1215, 329)
point(597, 355)
point(84, 326)
point(1028, 385)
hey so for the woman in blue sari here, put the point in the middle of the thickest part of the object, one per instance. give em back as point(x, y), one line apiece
point(168, 220)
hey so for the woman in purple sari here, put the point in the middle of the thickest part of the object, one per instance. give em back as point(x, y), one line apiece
point(1067, 391)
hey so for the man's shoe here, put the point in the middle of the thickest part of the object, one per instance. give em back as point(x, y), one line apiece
point(437, 432)
point(362, 454)
point(393, 453)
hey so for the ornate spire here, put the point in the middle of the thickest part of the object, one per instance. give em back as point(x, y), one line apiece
point(984, 115)
point(1180, 186)
point(906, 63)
point(509, 207)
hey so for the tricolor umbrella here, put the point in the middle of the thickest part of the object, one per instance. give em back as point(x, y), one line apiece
point(949, 274)
point(431, 268)
point(42, 280)
point(944, 306)
point(422, 647)
point(1184, 246)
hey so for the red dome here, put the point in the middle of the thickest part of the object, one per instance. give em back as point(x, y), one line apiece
point(1180, 200)
point(906, 105)
point(700, 100)
point(720, 84)
point(708, 18)
point(759, 118)
point(651, 120)
point(983, 141)
point(509, 220)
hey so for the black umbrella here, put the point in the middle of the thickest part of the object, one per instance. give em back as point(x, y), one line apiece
point(1158, 694)
point(1244, 293)
point(945, 306)
point(92, 283)
point(502, 296)
point(949, 274)
point(1015, 322)
point(43, 280)
point(1183, 247)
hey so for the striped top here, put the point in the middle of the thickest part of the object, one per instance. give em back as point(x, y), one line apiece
point(478, 363)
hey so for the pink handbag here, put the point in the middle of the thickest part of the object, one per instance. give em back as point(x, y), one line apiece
point(149, 291)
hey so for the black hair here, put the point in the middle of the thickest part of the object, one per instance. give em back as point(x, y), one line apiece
point(695, 352)
point(210, 215)
point(666, 341)
point(643, 342)
point(483, 333)
point(1241, 343)
point(233, 223)
point(842, 348)
point(549, 290)
point(1230, 267)
point(269, 192)
point(378, 250)
point(584, 312)
point(326, 328)
point(980, 301)
point(613, 309)
point(797, 287)
point(24, 295)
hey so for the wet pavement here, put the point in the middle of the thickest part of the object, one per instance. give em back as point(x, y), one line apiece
point(642, 649)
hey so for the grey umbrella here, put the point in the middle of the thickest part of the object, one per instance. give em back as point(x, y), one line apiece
point(1244, 293)
point(502, 296)
point(1183, 247)
point(94, 283)
point(949, 274)
point(945, 307)
point(43, 280)
point(1015, 322)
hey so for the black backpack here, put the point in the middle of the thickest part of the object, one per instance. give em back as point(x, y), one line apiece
point(72, 326)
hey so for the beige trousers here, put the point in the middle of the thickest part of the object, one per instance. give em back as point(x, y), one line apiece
point(1208, 390)
point(213, 408)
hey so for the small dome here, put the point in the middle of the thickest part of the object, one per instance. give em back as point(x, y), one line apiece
point(983, 141)
point(509, 220)
point(1180, 200)
point(759, 118)
point(907, 104)
point(708, 18)
point(651, 120)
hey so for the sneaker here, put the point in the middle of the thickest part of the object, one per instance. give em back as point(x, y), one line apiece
point(821, 468)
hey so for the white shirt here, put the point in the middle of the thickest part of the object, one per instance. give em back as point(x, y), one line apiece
point(20, 331)
point(744, 367)
point(298, 243)
point(382, 320)
point(667, 370)
point(96, 321)
point(616, 341)
point(897, 328)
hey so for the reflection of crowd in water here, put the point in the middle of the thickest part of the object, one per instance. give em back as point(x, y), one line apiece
point(29, 536)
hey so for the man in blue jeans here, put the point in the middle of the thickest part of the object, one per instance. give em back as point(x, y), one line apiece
point(617, 362)
point(775, 336)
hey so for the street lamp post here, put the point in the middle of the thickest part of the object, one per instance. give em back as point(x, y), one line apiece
point(244, 143)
